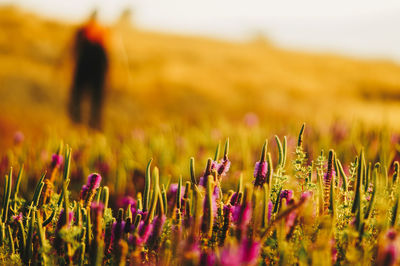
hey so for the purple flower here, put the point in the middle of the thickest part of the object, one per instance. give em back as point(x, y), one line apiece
point(249, 251)
point(208, 259)
point(290, 219)
point(56, 160)
point(391, 234)
point(116, 232)
point(246, 253)
point(94, 181)
point(234, 198)
point(124, 202)
point(334, 252)
point(61, 220)
point(229, 257)
point(270, 206)
point(223, 167)
point(97, 208)
point(16, 218)
point(328, 176)
point(158, 224)
point(143, 233)
point(306, 195)
point(214, 165)
point(88, 190)
point(260, 173)
point(286, 194)
point(241, 215)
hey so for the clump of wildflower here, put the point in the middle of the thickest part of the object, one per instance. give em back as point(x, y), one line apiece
point(142, 235)
point(158, 224)
point(118, 228)
point(88, 190)
point(260, 173)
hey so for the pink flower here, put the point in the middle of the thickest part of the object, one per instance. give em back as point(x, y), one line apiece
point(246, 253)
point(260, 173)
point(18, 137)
point(249, 251)
point(56, 160)
point(223, 167)
point(286, 194)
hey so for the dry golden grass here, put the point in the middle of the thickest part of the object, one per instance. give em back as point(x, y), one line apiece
point(158, 76)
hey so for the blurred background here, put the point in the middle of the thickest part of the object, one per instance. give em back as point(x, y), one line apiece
point(189, 60)
point(184, 75)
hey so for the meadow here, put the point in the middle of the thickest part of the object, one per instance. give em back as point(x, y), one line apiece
point(204, 159)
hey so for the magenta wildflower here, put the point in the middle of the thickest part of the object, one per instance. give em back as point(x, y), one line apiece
point(16, 218)
point(208, 259)
point(229, 257)
point(56, 160)
point(241, 216)
point(270, 207)
point(61, 220)
point(116, 232)
point(124, 202)
point(246, 253)
point(158, 224)
point(223, 167)
point(143, 233)
point(286, 194)
point(249, 251)
point(306, 195)
point(334, 252)
point(234, 198)
point(97, 207)
point(94, 181)
point(290, 219)
point(260, 173)
point(90, 188)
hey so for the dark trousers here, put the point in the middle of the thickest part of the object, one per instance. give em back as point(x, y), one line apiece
point(89, 79)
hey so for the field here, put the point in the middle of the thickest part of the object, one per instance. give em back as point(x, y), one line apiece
point(204, 157)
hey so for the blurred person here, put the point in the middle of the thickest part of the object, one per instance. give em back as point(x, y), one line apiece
point(91, 68)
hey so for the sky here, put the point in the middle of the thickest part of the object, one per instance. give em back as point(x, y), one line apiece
point(359, 28)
